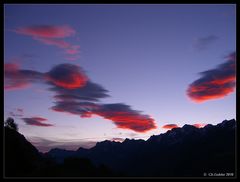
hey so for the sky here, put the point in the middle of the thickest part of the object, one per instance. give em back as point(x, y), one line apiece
point(78, 74)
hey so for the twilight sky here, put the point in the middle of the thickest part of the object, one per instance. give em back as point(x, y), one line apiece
point(78, 74)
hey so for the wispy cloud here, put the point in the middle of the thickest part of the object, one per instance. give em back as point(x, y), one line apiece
point(36, 121)
point(46, 31)
point(18, 112)
point(53, 35)
point(215, 83)
point(19, 79)
point(204, 42)
point(13, 114)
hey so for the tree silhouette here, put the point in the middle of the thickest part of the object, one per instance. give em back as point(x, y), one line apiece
point(9, 123)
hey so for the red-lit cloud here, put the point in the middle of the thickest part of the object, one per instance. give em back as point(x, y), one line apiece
point(199, 125)
point(216, 83)
point(78, 108)
point(14, 78)
point(170, 126)
point(40, 119)
point(120, 114)
point(73, 50)
point(36, 121)
point(16, 86)
point(82, 101)
point(76, 94)
point(46, 31)
point(53, 35)
point(125, 118)
point(89, 92)
point(67, 76)
point(11, 67)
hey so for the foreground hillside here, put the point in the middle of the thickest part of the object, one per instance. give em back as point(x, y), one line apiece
point(22, 159)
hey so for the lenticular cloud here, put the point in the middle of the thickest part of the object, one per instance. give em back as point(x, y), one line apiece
point(67, 76)
point(215, 83)
point(75, 93)
point(36, 121)
point(46, 31)
point(53, 35)
point(15, 78)
point(170, 126)
point(123, 116)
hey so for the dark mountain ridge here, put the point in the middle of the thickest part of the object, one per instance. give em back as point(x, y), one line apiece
point(186, 151)
point(180, 152)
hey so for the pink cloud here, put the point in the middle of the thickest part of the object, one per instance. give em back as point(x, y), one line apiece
point(46, 31)
point(124, 117)
point(76, 94)
point(36, 121)
point(199, 125)
point(40, 119)
point(170, 126)
point(53, 35)
point(11, 67)
point(16, 86)
point(73, 50)
point(129, 120)
point(67, 76)
point(14, 78)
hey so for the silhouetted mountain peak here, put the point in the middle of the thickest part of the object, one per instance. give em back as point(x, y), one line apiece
point(228, 124)
point(208, 126)
point(81, 149)
point(105, 143)
point(172, 136)
point(128, 141)
point(188, 127)
point(58, 150)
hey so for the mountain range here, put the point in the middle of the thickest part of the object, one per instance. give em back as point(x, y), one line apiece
point(180, 152)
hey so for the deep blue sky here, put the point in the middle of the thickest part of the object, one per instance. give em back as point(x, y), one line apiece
point(146, 56)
